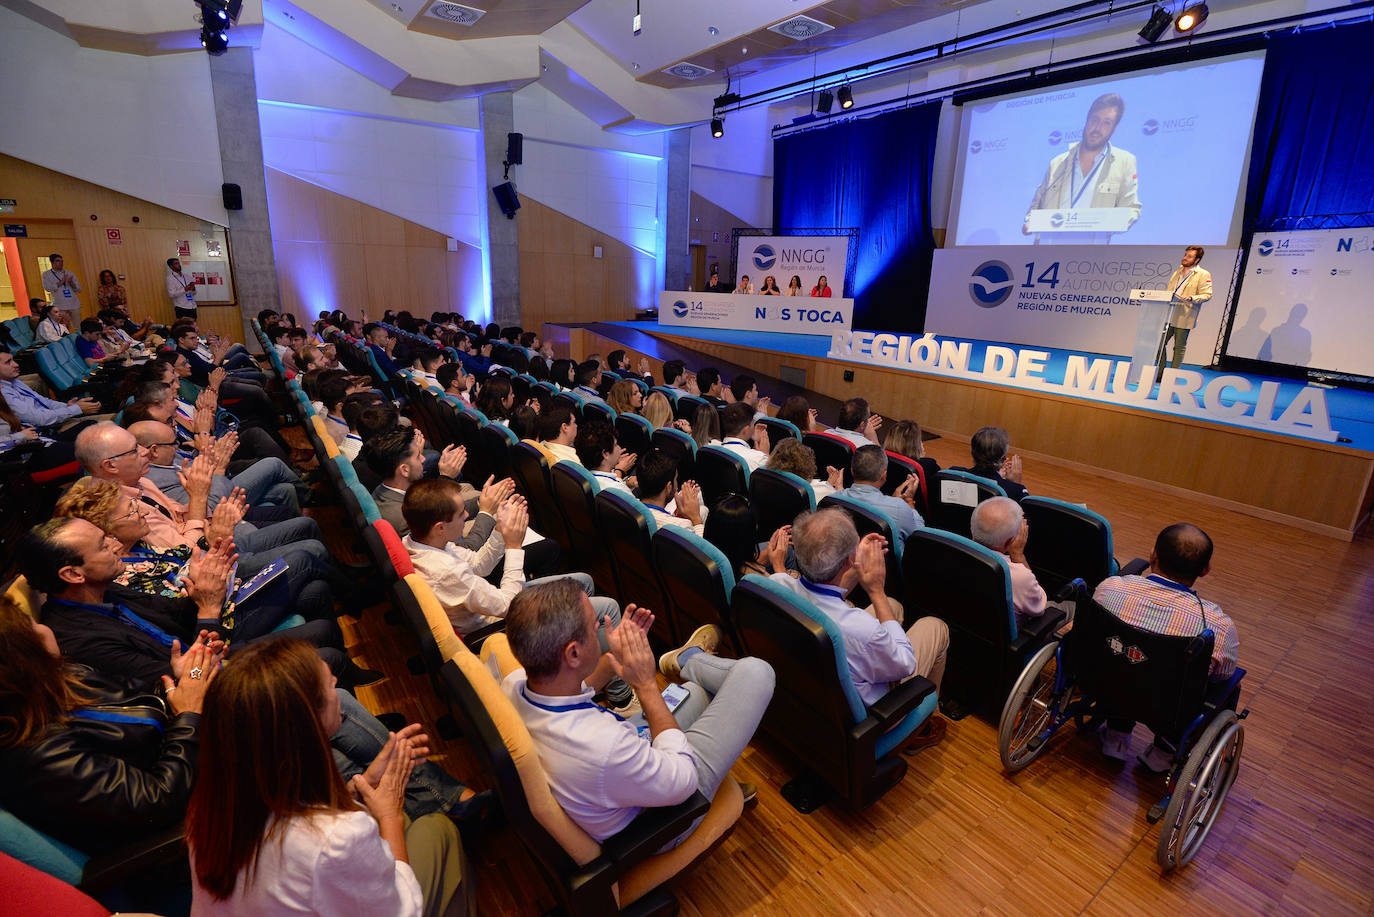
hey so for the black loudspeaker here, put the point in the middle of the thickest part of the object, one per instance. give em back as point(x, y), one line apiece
point(507, 199)
point(233, 196)
point(515, 149)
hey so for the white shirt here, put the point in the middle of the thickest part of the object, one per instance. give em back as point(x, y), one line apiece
point(337, 428)
point(752, 457)
point(63, 287)
point(561, 452)
point(878, 654)
point(608, 480)
point(664, 517)
point(456, 576)
point(333, 863)
point(177, 291)
point(50, 329)
point(350, 447)
point(601, 770)
point(854, 436)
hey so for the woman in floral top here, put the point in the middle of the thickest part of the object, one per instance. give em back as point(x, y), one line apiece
point(111, 291)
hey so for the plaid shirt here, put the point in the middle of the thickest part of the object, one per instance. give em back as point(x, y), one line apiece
point(1165, 607)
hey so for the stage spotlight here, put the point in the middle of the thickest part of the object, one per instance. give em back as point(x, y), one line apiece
point(1191, 18)
point(846, 97)
point(824, 101)
point(717, 127)
point(214, 40)
point(1159, 21)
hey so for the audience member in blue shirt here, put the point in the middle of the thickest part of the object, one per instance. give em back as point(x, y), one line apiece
point(870, 472)
point(376, 337)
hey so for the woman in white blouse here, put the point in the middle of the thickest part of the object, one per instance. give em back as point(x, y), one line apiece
point(274, 830)
point(794, 286)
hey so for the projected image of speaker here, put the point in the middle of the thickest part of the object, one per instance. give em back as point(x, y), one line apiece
point(506, 199)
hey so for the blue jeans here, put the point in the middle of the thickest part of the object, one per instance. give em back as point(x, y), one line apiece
point(269, 480)
point(292, 533)
point(361, 737)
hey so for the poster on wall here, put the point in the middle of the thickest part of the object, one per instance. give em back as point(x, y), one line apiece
point(212, 281)
point(183, 248)
point(1068, 297)
point(1305, 300)
point(806, 258)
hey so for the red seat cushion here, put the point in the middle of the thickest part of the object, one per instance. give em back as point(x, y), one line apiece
point(395, 549)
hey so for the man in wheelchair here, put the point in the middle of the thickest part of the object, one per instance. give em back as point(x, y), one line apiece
point(1166, 603)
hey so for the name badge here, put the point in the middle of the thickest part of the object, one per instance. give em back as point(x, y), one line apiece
point(190, 297)
point(66, 293)
point(1109, 187)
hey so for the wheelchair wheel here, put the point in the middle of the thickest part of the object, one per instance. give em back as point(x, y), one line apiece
point(1200, 790)
point(1029, 711)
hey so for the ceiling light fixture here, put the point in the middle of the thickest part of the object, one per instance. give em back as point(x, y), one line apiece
point(1191, 18)
point(846, 97)
point(824, 101)
point(1154, 27)
point(717, 128)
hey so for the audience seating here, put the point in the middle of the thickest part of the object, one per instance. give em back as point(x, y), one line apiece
point(627, 529)
point(687, 406)
point(574, 491)
point(778, 497)
point(682, 447)
point(531, 472)
point(697, 581)
point(1067, 542)
point(670, 393)
point(495, 442)
point(816, 715)
point(899, 468)
point(954, 517)
point(778, 430)
point(634, 433)
point(598, 410)
point(831, 452)
point(625, 875)
point(969, 587)
point(720, 471)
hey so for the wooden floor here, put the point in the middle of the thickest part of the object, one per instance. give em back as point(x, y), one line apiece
point(1067, 835)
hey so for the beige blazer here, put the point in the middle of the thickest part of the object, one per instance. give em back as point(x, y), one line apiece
point(1199, 286)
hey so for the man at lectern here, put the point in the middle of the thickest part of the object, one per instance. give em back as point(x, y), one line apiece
point(1092, 172)
point(1191, 287)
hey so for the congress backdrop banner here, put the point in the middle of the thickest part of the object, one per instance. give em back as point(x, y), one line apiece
point(741, 312)
point(1306, 300)
point(807, 257)
point(1071, 297)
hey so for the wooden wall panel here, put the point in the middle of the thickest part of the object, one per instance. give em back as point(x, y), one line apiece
point(336, 252)
point(1314, 485)
point(560, 280)
point(54, 205)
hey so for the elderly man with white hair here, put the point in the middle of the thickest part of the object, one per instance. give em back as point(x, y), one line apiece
point(998, 523)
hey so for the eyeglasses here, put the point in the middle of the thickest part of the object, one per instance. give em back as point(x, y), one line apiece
point(120, 455)
point(161, 445)
point(135, 511)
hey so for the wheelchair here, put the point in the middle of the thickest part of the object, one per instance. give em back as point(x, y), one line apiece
point(1106, 667)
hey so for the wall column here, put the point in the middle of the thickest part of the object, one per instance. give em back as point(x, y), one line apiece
point(503, 235)
point(240, 149)
point(677, 261)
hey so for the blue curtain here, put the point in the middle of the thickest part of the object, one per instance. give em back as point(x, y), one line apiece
point(1314, 130)
point(874, 174)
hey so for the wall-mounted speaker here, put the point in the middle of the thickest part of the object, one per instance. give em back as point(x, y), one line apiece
point(233, 196)
point(515, 149)
point(506, 199)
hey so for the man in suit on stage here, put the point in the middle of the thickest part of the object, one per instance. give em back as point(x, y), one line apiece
point(1191, 287)
point(1092, 172)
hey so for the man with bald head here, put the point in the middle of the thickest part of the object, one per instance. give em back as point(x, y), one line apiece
point(1166, 603)
point(999, 524)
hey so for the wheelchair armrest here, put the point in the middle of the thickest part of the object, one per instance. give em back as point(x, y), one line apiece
point(1136, 567)
point(652, 829)
point(1034, 631)
point(113, 868)
point(889, 709)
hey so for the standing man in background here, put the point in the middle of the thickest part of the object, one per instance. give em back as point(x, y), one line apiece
point(1191, 287)
point(62, 286)
point(181, 290)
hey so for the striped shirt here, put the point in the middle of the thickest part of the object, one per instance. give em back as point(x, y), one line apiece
point(1165, 607)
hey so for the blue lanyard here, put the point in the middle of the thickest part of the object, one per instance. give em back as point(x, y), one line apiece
point(332, 419)
point(1088, 179)
point(29, 393)
point(822, 588)
point(582, 705)
point(123, 614)
point(1183, 281)
point(659, 508)
point(738, 442)
point(109, 716)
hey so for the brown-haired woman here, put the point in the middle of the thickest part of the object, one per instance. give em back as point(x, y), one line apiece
point(625, 397)
point(83, 759)
point(274, 829)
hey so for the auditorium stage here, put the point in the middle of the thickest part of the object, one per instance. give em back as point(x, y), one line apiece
point(1324, 487)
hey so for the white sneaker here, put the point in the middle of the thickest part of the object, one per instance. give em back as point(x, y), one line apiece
point(1115, 743)
point(1156, 760)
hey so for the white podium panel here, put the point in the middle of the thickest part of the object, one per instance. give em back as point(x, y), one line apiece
point(1155, 306)
point(1081, 219)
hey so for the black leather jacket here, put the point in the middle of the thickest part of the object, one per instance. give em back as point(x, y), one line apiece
point(98, 784)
